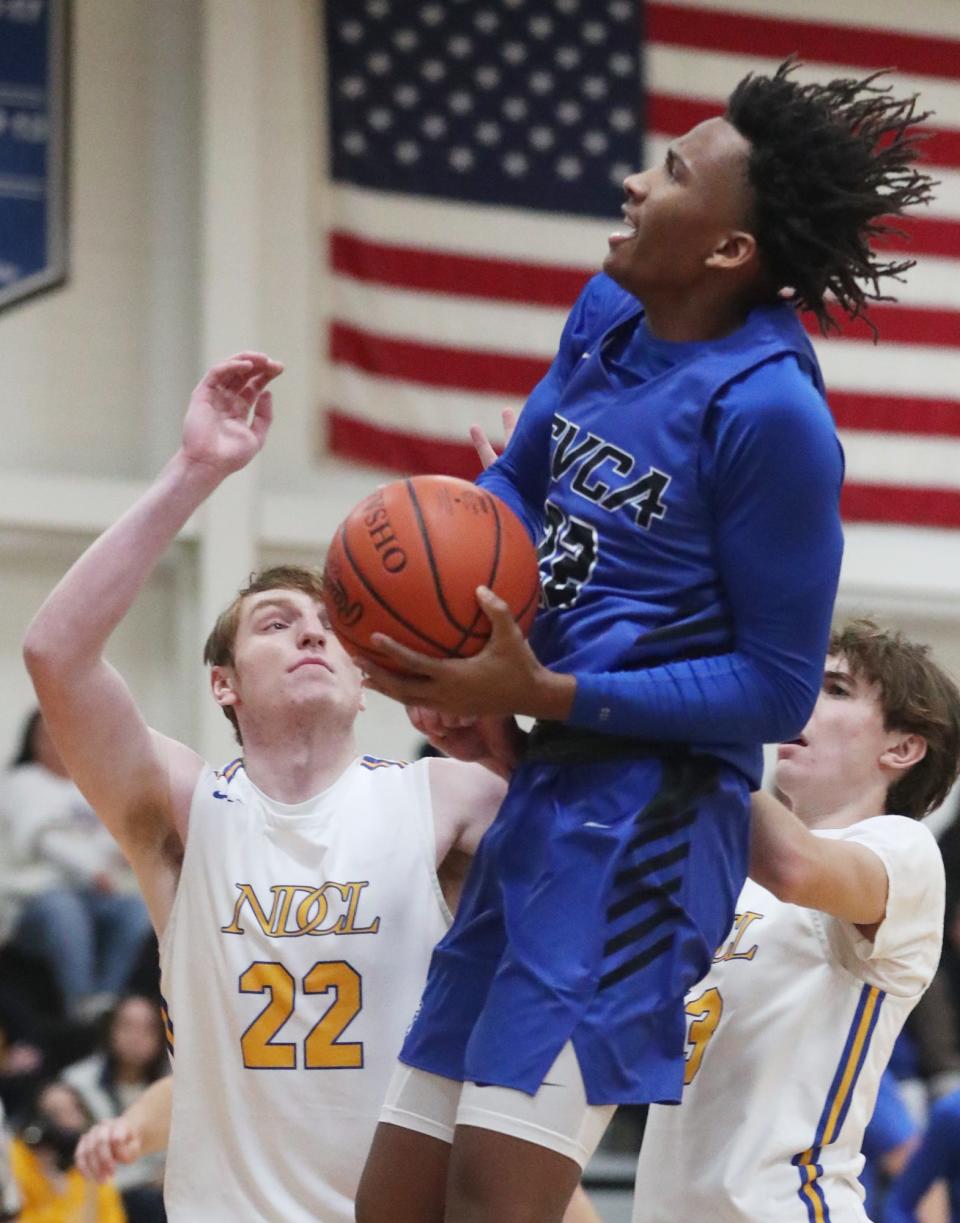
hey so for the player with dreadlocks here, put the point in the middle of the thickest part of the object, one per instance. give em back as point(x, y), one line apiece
point(680, 471)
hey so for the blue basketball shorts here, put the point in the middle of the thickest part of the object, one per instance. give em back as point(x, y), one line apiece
point(597, 898)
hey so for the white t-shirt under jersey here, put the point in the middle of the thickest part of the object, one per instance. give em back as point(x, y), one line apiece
point(293, 961)
point(788, 1035)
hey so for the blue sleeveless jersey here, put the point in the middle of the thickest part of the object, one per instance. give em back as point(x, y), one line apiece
point(684, 497)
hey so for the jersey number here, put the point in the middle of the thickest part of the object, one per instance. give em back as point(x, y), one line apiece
point(322, 1048)
point(567, 555)
point(704, 1013)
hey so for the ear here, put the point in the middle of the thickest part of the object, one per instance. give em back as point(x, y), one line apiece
point(735, 249)
point(903, 752)
point(223, 686)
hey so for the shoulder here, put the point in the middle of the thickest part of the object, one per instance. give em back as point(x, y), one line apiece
point(777, 392)
point(898, 837)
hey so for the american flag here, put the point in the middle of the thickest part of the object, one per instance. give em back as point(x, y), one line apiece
point(478, 147)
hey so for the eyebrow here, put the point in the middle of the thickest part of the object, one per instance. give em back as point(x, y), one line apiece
point(845, 676)
point(277, 601)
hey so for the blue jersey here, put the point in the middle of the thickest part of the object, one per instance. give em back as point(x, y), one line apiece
point(684, 497)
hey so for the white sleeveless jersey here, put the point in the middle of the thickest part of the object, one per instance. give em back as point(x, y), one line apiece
point(294, 959)
point(788, 1035)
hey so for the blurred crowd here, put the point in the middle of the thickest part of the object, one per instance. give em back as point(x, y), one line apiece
point(81, 1030)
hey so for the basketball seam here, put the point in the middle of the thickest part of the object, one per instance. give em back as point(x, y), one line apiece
point(384, 604)
point(434, 569)
point(469, 631)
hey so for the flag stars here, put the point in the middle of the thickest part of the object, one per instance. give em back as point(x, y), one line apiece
point(378, 8)
point(351, 31)
point(567, 6)
point(567, 57)
point(594, 87)
point(407, 152)
point(406, 96)
point(353, 87)
point(569, 167)
point(515, 108)
point(516, 164)
point(406, 39)
point(619, 171)
point(569, 112)
point(354, 143)
point(433, 70)
point(487, 76)
point(540, 26)
point(434, 126)
point(486, 21)
point(596, 142)
point(460, 102)
point(621, 64)
point(620, 10)
point(488, 132)
point(621, 119)
point(380, 119)
point(514, 52)
point(593, 32)
point(379, 63)
point(432, 14)
point(460, 46)
point(542, 137)
point(540, 82)
point(461, 158)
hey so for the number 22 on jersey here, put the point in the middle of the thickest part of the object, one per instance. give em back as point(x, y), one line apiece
point(322, 1047)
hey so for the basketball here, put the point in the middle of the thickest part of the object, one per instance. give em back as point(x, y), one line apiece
point(407, 562)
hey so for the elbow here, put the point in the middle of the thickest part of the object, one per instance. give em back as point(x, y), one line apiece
point(786, 876)
point(795, 702)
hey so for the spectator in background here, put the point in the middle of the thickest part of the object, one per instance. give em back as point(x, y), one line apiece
point(51, 1189)
point(888, 1142)
point(67, 896)
point(134, 1056)
point(9, 1193)
point(936, 1158)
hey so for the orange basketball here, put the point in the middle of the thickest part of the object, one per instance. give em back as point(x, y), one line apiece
point(407, 562)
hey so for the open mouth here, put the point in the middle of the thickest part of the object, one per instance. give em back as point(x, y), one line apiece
point(629, 230)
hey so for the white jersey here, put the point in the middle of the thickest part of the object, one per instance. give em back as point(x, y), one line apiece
point(294, 959)
point(788, 1036)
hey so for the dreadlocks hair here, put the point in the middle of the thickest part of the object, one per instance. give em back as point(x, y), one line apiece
point(830, 169)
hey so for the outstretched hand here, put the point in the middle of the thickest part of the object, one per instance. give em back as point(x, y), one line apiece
point(104, 1146)
point(504, 678)
point(230, 413)
point(483, 445)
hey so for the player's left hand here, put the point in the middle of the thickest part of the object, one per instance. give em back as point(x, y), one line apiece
point(504, 678)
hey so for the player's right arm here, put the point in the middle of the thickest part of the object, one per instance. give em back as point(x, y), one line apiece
point(143, 1129)
point(139, 782)
point(842, 878)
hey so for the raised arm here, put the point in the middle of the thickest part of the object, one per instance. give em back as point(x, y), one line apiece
point(842, 878)
point(138, 781)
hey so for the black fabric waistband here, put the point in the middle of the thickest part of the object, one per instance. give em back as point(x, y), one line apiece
point(557, 743)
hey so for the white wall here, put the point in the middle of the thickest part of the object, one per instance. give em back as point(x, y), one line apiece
point(96, 374)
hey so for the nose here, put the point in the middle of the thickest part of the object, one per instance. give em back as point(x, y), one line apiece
point(635, 186)
point(313, 633)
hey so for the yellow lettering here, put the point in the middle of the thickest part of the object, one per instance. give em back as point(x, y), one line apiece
point(741, 924)
point(249, 896)
point(352, 897)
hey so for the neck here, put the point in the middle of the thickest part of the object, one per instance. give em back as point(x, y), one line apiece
point(293, 765)
point(682, 318)
point(839, 809)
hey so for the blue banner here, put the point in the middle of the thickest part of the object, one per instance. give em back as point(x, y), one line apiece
point(32, 146)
